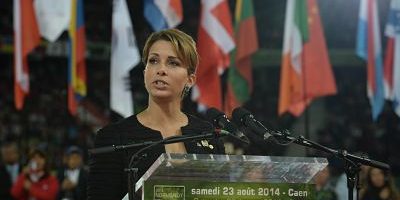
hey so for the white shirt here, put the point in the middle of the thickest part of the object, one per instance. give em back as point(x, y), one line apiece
point(72, 175)
point(13, 170)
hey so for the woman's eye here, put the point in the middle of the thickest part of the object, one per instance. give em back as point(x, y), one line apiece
point(153, 61)
point(175, 63)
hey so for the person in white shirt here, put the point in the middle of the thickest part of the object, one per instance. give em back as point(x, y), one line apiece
point(9, 168)
point(73, 178)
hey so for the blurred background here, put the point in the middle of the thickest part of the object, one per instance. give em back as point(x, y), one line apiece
point(340, 121)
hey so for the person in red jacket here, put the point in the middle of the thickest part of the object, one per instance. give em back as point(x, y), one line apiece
point(35, 182)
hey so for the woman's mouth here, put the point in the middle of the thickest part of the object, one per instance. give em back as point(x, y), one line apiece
point(160, 83)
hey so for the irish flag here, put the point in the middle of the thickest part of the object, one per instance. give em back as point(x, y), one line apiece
point(306, 72)
point(240, 80)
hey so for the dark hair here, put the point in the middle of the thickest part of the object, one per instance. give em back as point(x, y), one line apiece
point(41, 153)
point(73, 150)
point(6, 144)
point(388, 182)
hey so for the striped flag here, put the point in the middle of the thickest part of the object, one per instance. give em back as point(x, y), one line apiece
point(215, 42)
point(368, 47)
point(124, 56)
point(76, 60)
point(306, 72)
point(392, 59)
point(26, 38)
point(240, 79)
point(163, 14)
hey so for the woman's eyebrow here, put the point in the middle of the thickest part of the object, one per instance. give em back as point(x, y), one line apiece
point(173, 57)
point(155, 54)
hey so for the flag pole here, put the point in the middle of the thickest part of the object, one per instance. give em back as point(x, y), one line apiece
point(306, 112)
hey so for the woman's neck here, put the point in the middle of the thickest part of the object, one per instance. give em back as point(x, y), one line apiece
point(157, 115)
point(163, 112)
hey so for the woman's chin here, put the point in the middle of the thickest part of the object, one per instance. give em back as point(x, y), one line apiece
point(162, 97)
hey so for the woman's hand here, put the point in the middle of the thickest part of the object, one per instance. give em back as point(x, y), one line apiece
point(385, 193)
point(67, 184)
point(27, 184)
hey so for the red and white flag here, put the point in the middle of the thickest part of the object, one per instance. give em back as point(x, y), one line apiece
point(392, 59)
point(26, 38)
point(215, 42)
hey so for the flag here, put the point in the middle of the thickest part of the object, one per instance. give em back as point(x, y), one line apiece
point(392, 59)
point(163, 14)
point(368, 47)
point(124, 56)
point(306, 71)
point(215, 42)
point(53, 17)
point(76, 60)
point(26, 38)
point(240, 80)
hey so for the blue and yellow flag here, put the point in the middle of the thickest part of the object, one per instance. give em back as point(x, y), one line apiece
point(76, 61)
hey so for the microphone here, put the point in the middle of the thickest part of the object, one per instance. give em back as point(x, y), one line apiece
point(168, 140)
point(243, 116)
point(221, 121)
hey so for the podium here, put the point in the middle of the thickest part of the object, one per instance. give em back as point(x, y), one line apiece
point(210, 176)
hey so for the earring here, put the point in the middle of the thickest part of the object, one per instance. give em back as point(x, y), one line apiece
point(185, 91)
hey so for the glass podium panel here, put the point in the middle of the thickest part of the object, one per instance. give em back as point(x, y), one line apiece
point(233, 168)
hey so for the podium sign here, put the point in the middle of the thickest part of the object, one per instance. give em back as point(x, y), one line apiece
point(208, 176)
point(185, 190)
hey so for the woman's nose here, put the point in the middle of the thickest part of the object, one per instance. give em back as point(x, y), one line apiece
point(162, 70)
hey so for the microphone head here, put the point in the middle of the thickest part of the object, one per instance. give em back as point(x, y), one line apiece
point(221, 121)
point(239, 114)
point(212, 114)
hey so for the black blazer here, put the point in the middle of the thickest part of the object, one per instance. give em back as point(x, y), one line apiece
point(107, 179)
point(79, 192)
point(5, 183)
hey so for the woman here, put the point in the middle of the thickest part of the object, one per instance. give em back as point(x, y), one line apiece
point(35, 182)
point(379, 186)
point(171, 59)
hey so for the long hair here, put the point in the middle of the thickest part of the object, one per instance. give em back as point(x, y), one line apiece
point(370, 188)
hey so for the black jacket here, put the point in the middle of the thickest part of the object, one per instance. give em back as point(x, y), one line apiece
point(5, 183)
point(107, 179)
point(79, 192)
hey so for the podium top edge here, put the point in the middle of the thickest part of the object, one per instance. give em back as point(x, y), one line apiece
point(222, 157)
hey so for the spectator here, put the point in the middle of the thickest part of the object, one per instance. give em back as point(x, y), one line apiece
point(323, 190)
point(379, 186)
point(35, 181)
point(73, 177)
point(9, 168)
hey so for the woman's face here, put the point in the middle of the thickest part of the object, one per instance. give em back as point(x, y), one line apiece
point(37, 163)
point(377, 177)
point(165, 75)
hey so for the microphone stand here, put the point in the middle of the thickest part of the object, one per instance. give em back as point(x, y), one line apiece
point(352, 162)
point(135, 158)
